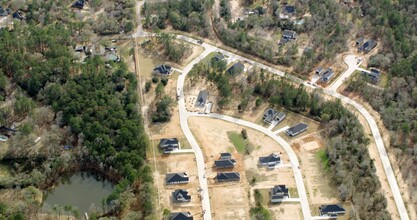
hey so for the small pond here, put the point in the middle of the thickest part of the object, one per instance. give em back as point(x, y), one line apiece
point(82, 190)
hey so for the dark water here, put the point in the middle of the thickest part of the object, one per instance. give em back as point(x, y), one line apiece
point(82, 191)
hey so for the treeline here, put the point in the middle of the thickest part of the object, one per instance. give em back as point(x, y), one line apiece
point(183, 15)
point(98, 104)
point(346, 156)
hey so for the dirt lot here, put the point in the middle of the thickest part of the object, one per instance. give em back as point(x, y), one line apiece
point(317, 183)
point(213, 139)
point(171, 164)
point(286, 211)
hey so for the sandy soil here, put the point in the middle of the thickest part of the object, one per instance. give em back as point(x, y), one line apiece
point(319, 190)
point(236, 9)
point(373, 151)
point(286, 211)
point(172, 164)
point(213, 139)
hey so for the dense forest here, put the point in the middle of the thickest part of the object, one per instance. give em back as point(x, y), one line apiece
point(90, 108)
point(395, 25)
point(346, 156)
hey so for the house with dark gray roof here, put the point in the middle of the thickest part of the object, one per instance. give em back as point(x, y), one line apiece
point(270, 161)
point(18, 15)
point(297, 129)
point(78, 4)
point(228, 177)
point(327, 75)
point(374, 75)
point(201, 99)
point(176, 178)
point(288, 35)
point(181, 216)
point(3, 12)
point(163, 70)
point(236, 69)
point(367, 46)
point(217, 57)
point(278, 193)
point(169, 144)
point(272, 115)
point(5, 131)
point(225, 164)
point(180, 195)
point(225, 156)
point(331, 210)
point(359, 41)
point(319, 70)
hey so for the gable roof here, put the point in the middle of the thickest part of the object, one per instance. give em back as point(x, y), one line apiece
point(18, 15)
point(269, 115)
point(294, 130)
point(78, 4)
point(8, 132)
point(229, 163)
point(217, 57)
point(168, 142)
point(236, 68)
point(281, 116)
point(181, 216)
point(225, 156)
point(327, 75)
point(289, 34)
point(176, 178)
point(359, 40)
point(272, 158)
point(367, 46)
point(3, 12)
point(228, 176)
point(331, 209)
point(163, 69)
point(201, 99)
point(180, 195)
point(279, 189)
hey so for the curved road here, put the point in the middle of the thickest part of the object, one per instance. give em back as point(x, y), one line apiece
point(293, 157)
point(352, 66)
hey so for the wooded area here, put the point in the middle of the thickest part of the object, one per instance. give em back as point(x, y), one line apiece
point(95, 113)
point(347, 158)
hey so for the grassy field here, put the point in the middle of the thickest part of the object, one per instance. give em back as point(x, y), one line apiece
point(4, 172)
point(293, 192)
point(265, 196)
point(238, 141)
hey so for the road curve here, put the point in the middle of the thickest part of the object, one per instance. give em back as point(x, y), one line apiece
point(293, 157)
point(205, 202)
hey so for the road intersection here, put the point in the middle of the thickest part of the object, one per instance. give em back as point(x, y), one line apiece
point(350, 60)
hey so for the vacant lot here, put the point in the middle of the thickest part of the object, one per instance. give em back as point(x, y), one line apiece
point(286, 211)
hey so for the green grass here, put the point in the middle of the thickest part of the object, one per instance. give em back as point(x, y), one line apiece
point(293, 192)
point(237, 141)
point(4, 172)
point(324, 159)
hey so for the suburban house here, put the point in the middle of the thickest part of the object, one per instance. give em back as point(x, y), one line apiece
point(287, 12)
point(163, 70)
point(169, 144)
point(112, 57)
point(181, 216)
point(236, 69)
point(278, 193)
point(271, 115)
point(78, 4)
point(331, 210)
point(287, 35)
point(224, 164)
point(373, 74)
point(217, 57)
point(225, 156)
point(18, 15)
point(228, 176)
point(319, 70)
point(359, 41)
point(201, 99)
point(180, 195)
point(176, 178)
point(8, 132)
point(327, 75)
point(297, 129)
point(3, 12)
point(270, 161)
point(367, 46)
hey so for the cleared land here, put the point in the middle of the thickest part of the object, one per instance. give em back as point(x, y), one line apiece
point(212, 136)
